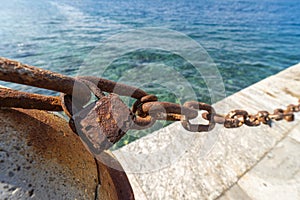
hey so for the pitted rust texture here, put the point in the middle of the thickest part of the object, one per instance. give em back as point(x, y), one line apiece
point(199, 127)
point(17, 99)
point(103, 123)
point(114, 116)
point(44, 153)
point(112, 178)
point(16, 72)
point(115, 87)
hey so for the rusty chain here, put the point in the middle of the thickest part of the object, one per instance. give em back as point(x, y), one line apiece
point(146, 110)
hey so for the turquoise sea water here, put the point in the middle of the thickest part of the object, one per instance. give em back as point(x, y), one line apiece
point(248, 40)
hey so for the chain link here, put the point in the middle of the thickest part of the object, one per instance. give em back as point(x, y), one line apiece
point(237, 118)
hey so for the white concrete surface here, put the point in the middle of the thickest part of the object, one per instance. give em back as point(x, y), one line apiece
point(244, 163)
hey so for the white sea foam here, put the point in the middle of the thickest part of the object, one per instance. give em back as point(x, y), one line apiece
point(79, 19)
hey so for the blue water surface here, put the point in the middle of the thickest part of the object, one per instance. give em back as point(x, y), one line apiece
point(247, 39)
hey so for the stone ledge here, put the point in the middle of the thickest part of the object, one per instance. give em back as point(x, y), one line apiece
point(175, 164)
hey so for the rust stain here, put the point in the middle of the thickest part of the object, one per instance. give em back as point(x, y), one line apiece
point(18, 99)
point(270, 94)
point(286, 90)
point(114, 182)
point(297, 79)
point(44, 133)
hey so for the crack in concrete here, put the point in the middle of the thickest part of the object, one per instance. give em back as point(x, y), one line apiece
point(98, 181)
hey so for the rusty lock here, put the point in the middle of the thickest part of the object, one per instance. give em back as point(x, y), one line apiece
point(102, 123)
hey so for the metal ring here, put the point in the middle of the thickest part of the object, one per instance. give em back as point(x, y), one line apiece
point(93, 87)
point(137, 106)
point(198, 127)
point(142, 122)
point(68, 105)
point(235, 118)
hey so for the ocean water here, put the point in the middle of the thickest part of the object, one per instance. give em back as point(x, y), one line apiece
point(248, 40)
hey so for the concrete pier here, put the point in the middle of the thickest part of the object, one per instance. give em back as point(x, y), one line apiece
point(244, 163)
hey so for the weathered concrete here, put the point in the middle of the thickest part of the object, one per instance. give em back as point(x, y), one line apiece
point(243, 163)
point(235, 193)
point(41, 158)
point(277, 176)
